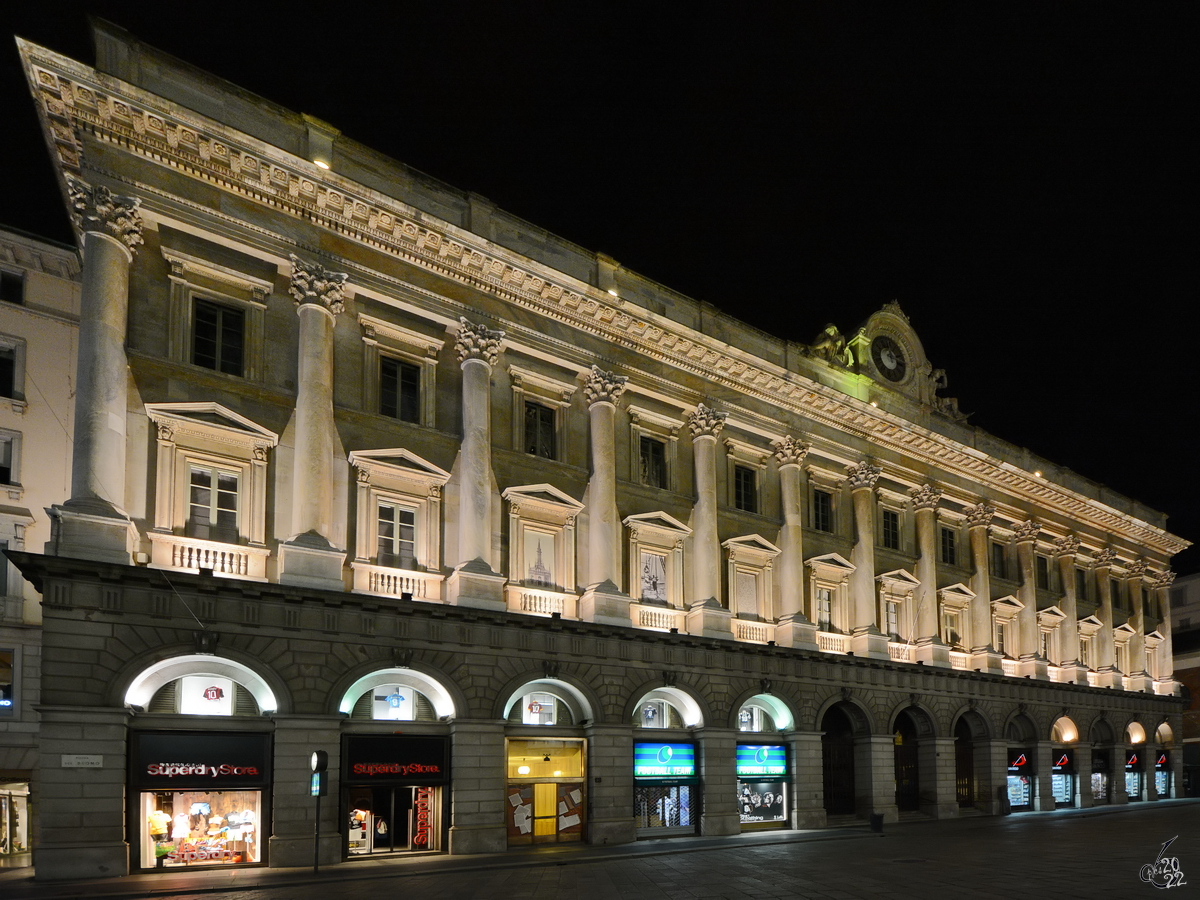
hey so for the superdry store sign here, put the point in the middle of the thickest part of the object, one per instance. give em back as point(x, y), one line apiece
point(395, 759)
point(186, 760)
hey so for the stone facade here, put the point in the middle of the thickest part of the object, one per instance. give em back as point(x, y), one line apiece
point(395, 437)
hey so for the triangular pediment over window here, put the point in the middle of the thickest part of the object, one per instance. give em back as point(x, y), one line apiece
point(899, 579)
point(546, 494)
point(658, 520)
point(398, 459)
point(751, 542)
point(209, 420)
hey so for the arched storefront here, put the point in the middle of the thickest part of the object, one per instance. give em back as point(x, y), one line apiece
point(1021, 735)
point(971, 760)
point(842, 725)
point(1102, 740)
point(666, 771)
point(1064, 771)
point(764, 769)
point(911, 727)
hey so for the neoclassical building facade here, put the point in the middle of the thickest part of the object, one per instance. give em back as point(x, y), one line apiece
point(353, 447)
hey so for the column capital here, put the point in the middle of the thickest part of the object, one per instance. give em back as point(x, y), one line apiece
point(706, 422)
point(862, 475)
point(313, 283)
point(980, 514)
point(790, 451)
point(1027, 531)
point(926, 496)
point(603, 387)
point(1067, 545)
point(477, 342)
point(1136, 569)
point(1164, 579)
point(1105, 557)
point(99, 209)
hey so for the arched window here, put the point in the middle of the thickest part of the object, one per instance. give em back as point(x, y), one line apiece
point(547, 701)
point(395, 694)
point(201, 685)
point(764, 713)
point(667, 707)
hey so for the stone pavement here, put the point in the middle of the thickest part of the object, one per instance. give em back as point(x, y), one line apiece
point(1095, 854)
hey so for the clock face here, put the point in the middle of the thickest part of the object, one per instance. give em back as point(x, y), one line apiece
point(888, 358)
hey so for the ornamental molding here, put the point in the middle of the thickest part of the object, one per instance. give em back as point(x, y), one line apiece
point(99, 209)
point(313, 283)
point(1026, 531)
point(1067, 545)
point(603, 387)
point(706, 422)
point(926, 496)
point(1105, 557)
point(790, 451)
point(74, 101)
point(980, 514)
point(1164, 579)
point(477, 342)
point(1136, 568)
point(862, 475)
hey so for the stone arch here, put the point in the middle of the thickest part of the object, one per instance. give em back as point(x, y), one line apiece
point(145, 683)
point(1064, 731)
point(578, 698)
point(781, 711)
point(924, 722)
point(445, 697)
point(692, 709)
point(1101, 731)
point(861, 720)
point(1135, 732)
point(975, 725)
point(1164, 735)
point(1019, 728)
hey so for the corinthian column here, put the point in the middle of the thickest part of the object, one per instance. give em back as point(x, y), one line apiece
point(1106, 655)
point(1032, 662)
point(706, 613)
point(1065, 549)
point(930, 649)
point(1162, 589)
point(794, 628)
point(1139, 680)
point(310, 557)
point(866, 639)
point(983, 655)
point(473, 582)
point(603, 600)
point(93, 524)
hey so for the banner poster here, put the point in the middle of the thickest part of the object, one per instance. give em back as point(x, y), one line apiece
point(762, 801)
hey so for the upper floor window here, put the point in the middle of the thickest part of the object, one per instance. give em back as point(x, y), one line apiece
point(213, 504)
point(952, 632)
point(12, 287)
point(399, 389)
point(12, 370)
point(999, 568)
point(745, 488)
point(652, 462)
point(539, 430)
point(949, 547)
point(822, 511)
point(7, 680)
point(1042, 572)
point(218, 337)
point(891, 529)
point(1081, 592)
point(396, 535)
point(7, 456)
point(1114, 587)
point(8, 367)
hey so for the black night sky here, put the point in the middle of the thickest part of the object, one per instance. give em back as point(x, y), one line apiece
point(1015, 175)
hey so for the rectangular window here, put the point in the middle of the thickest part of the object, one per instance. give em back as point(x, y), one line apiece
point(654, 578)
point(539, 430)
point(824, 608)
point(12, 288)
point(745, 488)
point(949, 548)
point(218, 337)
point(397, 536)
point(893, 618)
point(1002, 637)
point(399, 389)
point(1115, 587)
point(8, 372)
point(823, 511)
point(213, 504)
point(1085, 652)
point(891, 529)
point(1178, 598)
point(3, 569)
point(653, 462)
point(952, 628)
point(7, 677)
point(999, 568)
point(1044, 643)
point(1042, 572)
point(1081, 584)
point(6, 460)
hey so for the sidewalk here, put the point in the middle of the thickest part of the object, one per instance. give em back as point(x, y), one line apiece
point(18, 884)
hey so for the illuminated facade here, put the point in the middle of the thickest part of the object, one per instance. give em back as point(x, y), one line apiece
point(352, 447)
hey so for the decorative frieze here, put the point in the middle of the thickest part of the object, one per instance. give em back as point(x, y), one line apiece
point(790, 451)
point(862, 475)
point(313, 283)
point(926, 496)
point(99, 209)
point(706, 422)
point(603, 387)
point(477, 342)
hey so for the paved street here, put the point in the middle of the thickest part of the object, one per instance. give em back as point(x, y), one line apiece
point(1085, 854)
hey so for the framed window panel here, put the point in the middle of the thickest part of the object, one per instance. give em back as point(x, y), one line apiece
point(396, 535)
point(213, 504)
point(218, 337)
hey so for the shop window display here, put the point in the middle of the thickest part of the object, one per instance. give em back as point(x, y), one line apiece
point(186, 828)
point(14, 818)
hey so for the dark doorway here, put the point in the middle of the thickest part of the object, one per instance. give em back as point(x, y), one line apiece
point(964, 765)
point(908, 783)
point(837, 763)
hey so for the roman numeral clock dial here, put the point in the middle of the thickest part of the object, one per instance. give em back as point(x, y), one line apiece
point(888, 358)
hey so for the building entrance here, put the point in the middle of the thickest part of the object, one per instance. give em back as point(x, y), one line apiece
point(837, 763)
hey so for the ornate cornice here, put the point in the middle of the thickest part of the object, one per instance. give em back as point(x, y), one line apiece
point(313, 283)
point(862, 475)
point(1026, 531)
point(790, 451)
point(603, 387)
point(706, 422)
point(980, 514)
point(477, 342)
point(926, 496)
point(74, 102)
point(99, 209)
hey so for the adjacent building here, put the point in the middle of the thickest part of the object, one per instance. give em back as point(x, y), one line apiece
point(353, 448)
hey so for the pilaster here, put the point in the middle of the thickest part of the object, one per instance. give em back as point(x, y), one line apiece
point(477, 803)
point(1031, 663)
point(866, 639)
point(610, 785)
point(1065, 550)
point(705, 424)
point(875, 757)
point(293, 809)
point(936, 756)
point(808, 786)
point(603, 600)
point(983, 656)
point(718, 769)
point(793, 628)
